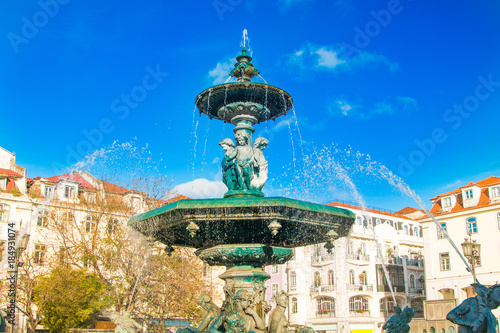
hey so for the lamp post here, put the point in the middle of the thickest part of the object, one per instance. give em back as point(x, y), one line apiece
point(472, 251)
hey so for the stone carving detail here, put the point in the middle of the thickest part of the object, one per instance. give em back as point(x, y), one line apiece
point(244, 168)
point(474, 314)
point(277, 319)
point(398, 323)
point(213, 312)
point(125, 324)
point(239, 316)
point(232, 110)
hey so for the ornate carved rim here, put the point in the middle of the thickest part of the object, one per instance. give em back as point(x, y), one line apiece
point(211, 100)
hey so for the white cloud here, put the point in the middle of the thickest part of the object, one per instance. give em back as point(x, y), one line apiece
point(331, 57)
point(339, 107)
point(221, 71)
point(284, 122)
point(328, 58)
point(202, 188)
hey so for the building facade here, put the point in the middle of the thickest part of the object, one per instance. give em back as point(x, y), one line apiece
point(345, 290)
point(470, 211)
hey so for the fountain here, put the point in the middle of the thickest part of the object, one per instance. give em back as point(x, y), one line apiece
point(244, 230)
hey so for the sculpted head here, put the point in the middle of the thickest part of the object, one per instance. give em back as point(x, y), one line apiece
point(282, 299)
point(226, 143)
point(242, 138)
point(260, 143)
point(494, 296)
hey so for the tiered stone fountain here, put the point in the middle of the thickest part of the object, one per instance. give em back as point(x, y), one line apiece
point(244, 230)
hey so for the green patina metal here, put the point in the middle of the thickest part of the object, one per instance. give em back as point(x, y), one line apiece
point(243, 231)
point(243, 221)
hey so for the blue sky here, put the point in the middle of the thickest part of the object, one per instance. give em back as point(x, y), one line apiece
point(411, 85)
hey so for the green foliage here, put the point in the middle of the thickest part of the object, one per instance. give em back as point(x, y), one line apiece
point(69, 298)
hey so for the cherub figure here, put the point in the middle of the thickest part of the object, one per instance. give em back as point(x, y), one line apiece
point(229, 172)
point(278, 323)
point(260, 164)
point(398, 323)
point(474, 314)
point(244, 160)
point(241, 318)
point(213, 312)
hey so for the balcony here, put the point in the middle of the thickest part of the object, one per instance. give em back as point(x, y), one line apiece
point(416, 292)
point(358, 256)
point(323, 288)
point(360, 287)
point(359, 313)
point(324, 258)
point(415, 263)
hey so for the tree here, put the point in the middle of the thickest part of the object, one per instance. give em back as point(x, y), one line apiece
point(69, 298)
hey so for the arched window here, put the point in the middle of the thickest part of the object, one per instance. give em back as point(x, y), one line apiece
point(293, 279)
point(317, 279)
point(4, 213)
point(331, 278)
point(377, 221)
point(294, 304)
point(471, 225)
point(412, 281)
point(326, 306)
point(363, 277)
point(351, 277)
point(362, 249)
point(358, 303)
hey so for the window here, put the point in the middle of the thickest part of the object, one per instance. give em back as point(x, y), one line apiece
point(317, 279)
point(63, 254)
point(39, 255)
point(89, 223)
point(498, 220)
point(351, 277)
point(275, 269)
point(3, 184)
point(363, 277)
point(42, 220)
point(4, 213)
point(406, 230)
point(362, 249)
point(446, 202)
point(442, 231)
point(377, 221)
point(317, 250)
point(326, 306)
point(331, 278)
point(495, 191)
point(471, 225)
point(415, 231)
point(67, 217)
point(444, 259)
point(69, 192)
point(49, 191)
point(412, 281)
point(358, 303)
point(358, 220)
point(469, 194)
point(112, 226)
point(350, 248)
point(294, 304)
point(274, 288)
point(293, 280)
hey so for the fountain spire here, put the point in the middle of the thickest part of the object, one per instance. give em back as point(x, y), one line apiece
point(243, 70)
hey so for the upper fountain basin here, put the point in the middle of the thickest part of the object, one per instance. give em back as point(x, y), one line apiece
point(204, 223)
point(220, 101)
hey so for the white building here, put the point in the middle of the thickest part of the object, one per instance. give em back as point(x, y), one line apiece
point(471, 209)
point(345, 290)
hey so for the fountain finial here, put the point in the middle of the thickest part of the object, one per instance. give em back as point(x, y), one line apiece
point(243, 70)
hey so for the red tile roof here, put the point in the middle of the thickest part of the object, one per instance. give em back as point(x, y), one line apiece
point(341, 204)
point(408, 210)
point(73, 176)
point(484, 199)
point(112, 188)
point(10, 174)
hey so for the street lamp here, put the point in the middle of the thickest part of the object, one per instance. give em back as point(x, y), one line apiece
point(472, 251)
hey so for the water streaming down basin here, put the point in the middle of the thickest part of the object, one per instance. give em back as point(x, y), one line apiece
point(244, 230)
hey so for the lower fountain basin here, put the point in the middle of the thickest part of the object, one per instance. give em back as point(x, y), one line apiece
point(273, 221)
point(244, 254)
